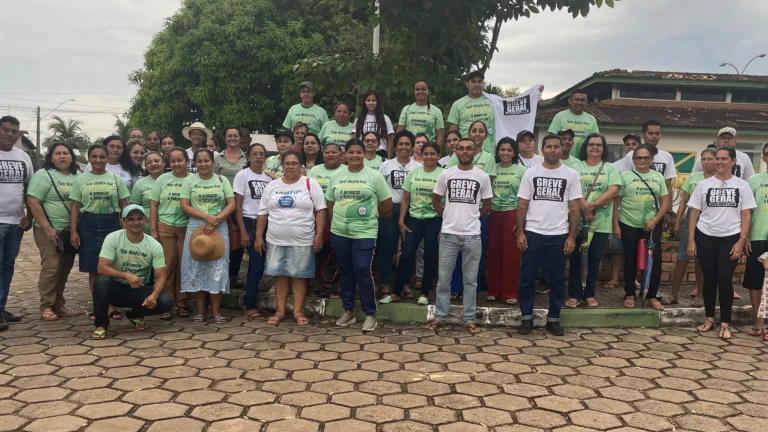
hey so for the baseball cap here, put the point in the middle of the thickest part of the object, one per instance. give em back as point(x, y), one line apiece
point(308, 85)
point(284, 132)
point(636, 137)
point(563, 132)
point(132, 208)
point(525, 133)
point(727, 130)
point(475, 74)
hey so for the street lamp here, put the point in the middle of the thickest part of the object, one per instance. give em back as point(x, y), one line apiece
point(745, 67)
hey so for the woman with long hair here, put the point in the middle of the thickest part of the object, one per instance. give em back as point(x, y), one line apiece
point(311, 154)
point(98, 198)
point(142, 190)
point(642, 202)
point(356, 196)
point(294, 208)
point(372, 118)
point(48, 200)
point(248, 187)
point(371, 158)
point(600, 184)
point(338, 130)
point(135, 151)
point(208, 200)
point(421, 117)
point(168, 224)
point(451, 141)
point(153, 141)
point(721, 215)
point(118, 160)
point(503, 278)
point(322, 175)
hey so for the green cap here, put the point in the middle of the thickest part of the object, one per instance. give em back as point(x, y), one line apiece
point(133, 208)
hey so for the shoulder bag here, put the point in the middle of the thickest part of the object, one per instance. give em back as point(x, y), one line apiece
point(63, 245)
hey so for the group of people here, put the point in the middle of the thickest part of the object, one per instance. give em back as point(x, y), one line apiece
point(453, 199)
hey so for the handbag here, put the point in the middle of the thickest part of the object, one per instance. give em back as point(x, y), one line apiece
point(63, 245)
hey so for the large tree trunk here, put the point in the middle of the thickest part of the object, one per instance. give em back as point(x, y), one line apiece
point(494, 40)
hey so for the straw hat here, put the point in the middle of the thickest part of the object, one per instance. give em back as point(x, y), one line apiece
point(206, 247)
point(198, 126)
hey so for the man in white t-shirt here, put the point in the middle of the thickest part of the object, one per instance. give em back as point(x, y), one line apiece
point(464, 188)
point(547, 224)
point(631, 141)
point(726, 137)
point(14, 178)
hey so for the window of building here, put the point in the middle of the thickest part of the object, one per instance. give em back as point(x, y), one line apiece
point(635, 91)
point(749, 96)
point(615, 152)
point(703, 94)
point(603, 93)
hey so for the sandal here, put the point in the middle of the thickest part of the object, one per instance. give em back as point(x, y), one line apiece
point(423, 301)
point(407, 293)
point(275, 319)
point(198, 319)
point(417, 283)
point(629, 303)
point(65, 312)
point(166, 316)
point(757, 331)
point(725, 332)
point(183, 313)
point(471, 327)
point(92, 316)
point(219, 319)
point(434, 324)
point(668, 301)
point(511, 302)
point(610, 285)
point(707, 326)
point(254, 315)
point(491, 298)
point(116, 315)
point(736, 296)
point(48, 315)
point(655, 305)
point(591, 302)
point(99, 334)
point(301, 319)
point(138, 323)
point(571, 303)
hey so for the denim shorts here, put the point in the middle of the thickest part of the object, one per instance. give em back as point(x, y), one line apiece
point(682, 247)
point(290, 261)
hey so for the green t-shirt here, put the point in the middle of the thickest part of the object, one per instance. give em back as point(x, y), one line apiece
point(335, 134)
point(274, 166)
point(167, 193)
point(314, 117)
point(571, 162)
point(421, 185)
point(41, 188)
point(636, 207)
point(603, 222)
point(140, 194)
point(99, 194)
point(208, 196)
point(422, 119)
point(137, 259)
point(322, 175)
point(356, 197)
point(505, 187)
point(466, 110)
point(484, 161)
point(692, 181)
point(759, 228)
point(374, 163)
point(582, 126)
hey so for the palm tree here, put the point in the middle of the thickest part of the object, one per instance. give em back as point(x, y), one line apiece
point(69, 132)
point(122, 128)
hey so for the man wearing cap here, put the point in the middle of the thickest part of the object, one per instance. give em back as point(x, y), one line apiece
point(631, 141)
point(474, 107)
point(566, 158)
point(582, 123)
point(126, 262)
point(273, 167)
point(526, 142)
point(726, 137)
point(306, 112)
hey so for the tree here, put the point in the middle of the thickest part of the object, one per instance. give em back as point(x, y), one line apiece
point(122, 128)
point(506, 92)
point(69, 132)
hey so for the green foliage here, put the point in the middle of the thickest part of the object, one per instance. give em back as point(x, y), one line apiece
point(123, 128)
point(69, 132)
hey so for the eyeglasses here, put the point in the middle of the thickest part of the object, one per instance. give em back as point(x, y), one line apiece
point(371, 141)
point(291, 164)
point(642, 158)
point(595, 145)
point(262, 154)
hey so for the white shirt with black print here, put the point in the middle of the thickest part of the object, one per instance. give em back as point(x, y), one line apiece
point(742, 169)
point(370, 125)
point(532, 162)
point(549, 193)
point(463, 192)
point(663, 163)
point(15, 173)
point(250, 186)
point(395, 174)
point(721, 203)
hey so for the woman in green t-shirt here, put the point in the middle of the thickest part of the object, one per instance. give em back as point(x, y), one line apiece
point(600, 183)
point(356, 196)
point(98, 197)
point(208, 200)
point(643, 201)
point(168, 224)
point(421, 116)
point(503, 278)
point(140, 194)
point(371, 158)
point(322, 175)
point(339, 130)
point(48, 200)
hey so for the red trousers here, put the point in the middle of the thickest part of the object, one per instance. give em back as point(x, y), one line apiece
point(503, 255)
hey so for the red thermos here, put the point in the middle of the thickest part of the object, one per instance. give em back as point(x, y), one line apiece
point(642, 255)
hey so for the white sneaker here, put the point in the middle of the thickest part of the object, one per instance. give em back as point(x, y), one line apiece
point(346, 320)
point(370, 323)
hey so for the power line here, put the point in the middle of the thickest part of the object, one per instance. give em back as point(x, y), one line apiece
point(56, 102)
point(66, 94)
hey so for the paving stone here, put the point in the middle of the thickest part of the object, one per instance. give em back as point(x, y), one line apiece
point(293, 425)
point(332, 387)
point(123, 424)
point(325, 413)
point(219, 411)
point(45, 409)
point(595, 419)
point(95, 395)
point(87, 383)
point(379, 414)
point(748, 424)
point(665, 409)
point(179, 424)
point(609, 406)
point(433, 415)
point(541, 419)
point(271, 412)
point(138, 383)
point(404, 401)
point(11, 423)
point(558, 404)
point(187, 384)
point(161, 411)
point(647, 422)
point(42, 395)
point(701, 423)
point(304, 399)
point(146, 397)
point(487, 416)
point(59, 423)
point(234, 425)
point(402, 426)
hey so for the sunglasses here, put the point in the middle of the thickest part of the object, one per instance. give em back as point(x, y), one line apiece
point(642, 158)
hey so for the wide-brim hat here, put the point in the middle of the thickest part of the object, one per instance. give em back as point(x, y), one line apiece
point(206, 247)
point(198, 126)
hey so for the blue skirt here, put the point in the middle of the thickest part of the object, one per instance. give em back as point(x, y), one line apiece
point(93, 229)
point(208, 276)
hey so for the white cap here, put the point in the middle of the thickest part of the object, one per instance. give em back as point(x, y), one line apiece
point(727, 130)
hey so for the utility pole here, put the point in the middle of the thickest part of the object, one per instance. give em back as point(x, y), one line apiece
point(38, 144)
point(377, 31)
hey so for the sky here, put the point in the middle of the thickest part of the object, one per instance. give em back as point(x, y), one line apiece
point(85, 49)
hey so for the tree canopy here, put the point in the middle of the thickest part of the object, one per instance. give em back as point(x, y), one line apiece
point(69, 132)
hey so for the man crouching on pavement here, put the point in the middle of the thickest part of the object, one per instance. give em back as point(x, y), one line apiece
point(126, 261)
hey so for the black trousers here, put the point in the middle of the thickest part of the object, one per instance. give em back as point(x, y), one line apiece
point(630, 236)
point(717, 266)
point(107, 291)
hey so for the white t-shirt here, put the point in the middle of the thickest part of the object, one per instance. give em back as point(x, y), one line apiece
point(743, 168)
point(532, 162)
point(721, 204)
point(622, 165)
point(663, 163)
point(443, 162)
point(395, 174)
point(370, 125)
point(463, 192)
point(15, 172)
point(250, 186)
point(191, 163)
point(549, 192)
point(290, 209)
point(119, 171)
point(515, 114)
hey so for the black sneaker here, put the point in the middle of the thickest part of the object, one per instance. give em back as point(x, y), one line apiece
point(526, 327)
point(9, 317)
point(554, 328)
point(3, 324)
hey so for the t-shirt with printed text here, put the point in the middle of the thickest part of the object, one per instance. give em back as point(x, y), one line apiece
point(464, 192)
point(603, 221)
point(484, 161)
point(374, 163)
point(743, 167)
point(356, 197)
point(663, 163)
point(422, 119)
point(135, 258)
point(15, 172)
point(582, 125)
point(208, 196)
point(314, 117)
point(291, 209)
point(167, 193)
point(505, 187)
point(394, 173)
point(250, 186)
point(118, 170)
point(758, 183)
point(371, 125)
point(42, 188)
point(721, 204)
point(322, 175)
point(549, 193)
point(334, 134)
point(140, 194)
point(421, 185)
point(99, 194)
point(274, 166)
point(637, 205)
point(466, 111)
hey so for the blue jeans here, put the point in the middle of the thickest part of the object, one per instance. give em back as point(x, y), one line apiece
point(596, 248)
point(421, 229)
point(10, 243)
point(389, 234)
point(456, 282)
point(545, 251)
point(470, 247)
point(255, 267)
point(354, 257)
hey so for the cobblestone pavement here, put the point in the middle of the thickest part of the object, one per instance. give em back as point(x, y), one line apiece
point(180, 376)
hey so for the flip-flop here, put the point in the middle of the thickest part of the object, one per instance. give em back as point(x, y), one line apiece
point(571, 303)
point(609, 285)
point(471, 327)
point(219, 319)
point(138, 323)
point(707, 326)
point(757, 331)
point(301, 319)
point(591, 302)
point(254, 316)
point(116, 315)
point(434, 324)
point(275, 319)
point(725, 333)
point(99, 334)
point(629, 303)
point(198, 319)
